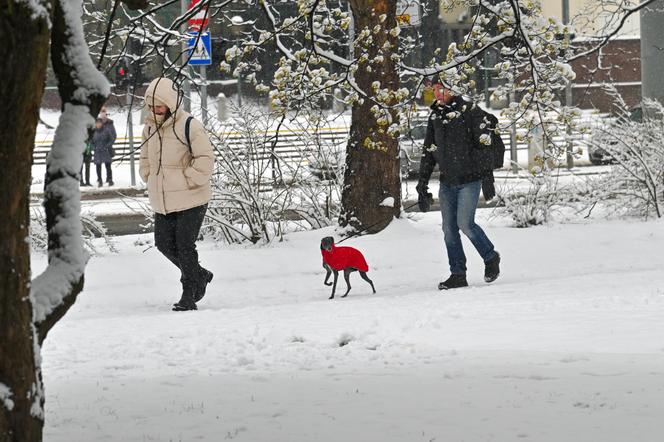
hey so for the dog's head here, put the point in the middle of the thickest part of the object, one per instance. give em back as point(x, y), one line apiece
point(326, 243)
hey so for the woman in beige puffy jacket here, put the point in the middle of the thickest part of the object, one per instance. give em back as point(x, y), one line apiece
point(177, 171)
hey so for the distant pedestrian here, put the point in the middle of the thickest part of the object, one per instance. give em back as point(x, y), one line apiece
point(103, 139)
point(451, 141)
point(176, 162)
point(87, 158)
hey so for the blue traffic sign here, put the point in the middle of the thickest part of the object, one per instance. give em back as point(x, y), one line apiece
point(200, 49)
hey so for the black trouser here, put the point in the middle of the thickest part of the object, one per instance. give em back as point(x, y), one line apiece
point(175, 236)
point(86, 163)
point(109, 173)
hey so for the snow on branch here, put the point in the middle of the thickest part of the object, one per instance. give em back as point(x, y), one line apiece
point(88, 81)
point(6, 397)
point(67, 261)
point(40, 10)
point(618, 13)
point(83, 90)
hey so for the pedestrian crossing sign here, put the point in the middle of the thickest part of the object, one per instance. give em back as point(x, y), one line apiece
point(200, 49)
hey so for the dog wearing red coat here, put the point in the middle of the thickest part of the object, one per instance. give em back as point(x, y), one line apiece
point(347, 259)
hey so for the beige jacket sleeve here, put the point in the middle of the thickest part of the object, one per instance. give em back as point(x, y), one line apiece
point(144, 161)
point(202, 162)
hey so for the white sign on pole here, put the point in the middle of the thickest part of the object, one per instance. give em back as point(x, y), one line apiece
point(409, 13)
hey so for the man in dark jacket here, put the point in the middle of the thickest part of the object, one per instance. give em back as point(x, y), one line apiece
point(452, 141)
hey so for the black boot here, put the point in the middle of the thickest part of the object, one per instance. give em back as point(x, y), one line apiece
point(186, 301)
point(206, 278)
point(184, 304)
point(492, 268)
point(453, 282)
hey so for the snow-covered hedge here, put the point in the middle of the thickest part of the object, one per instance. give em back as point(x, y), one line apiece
point(634, 145)
point(260, 193)
point(91, 229)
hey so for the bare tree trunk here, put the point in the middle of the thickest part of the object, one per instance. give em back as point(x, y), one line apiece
point(372, 160)
point(24, 42)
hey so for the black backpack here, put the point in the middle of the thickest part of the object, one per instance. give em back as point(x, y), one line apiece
point(497, 145)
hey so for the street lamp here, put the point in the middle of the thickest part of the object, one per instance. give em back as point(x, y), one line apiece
point(237, 28)
point(568, 89)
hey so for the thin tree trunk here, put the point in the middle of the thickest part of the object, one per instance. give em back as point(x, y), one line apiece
point(24, 42)
point(372, 160)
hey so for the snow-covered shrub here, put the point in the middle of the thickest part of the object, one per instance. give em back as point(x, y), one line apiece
point(259, 192)
point(532, 205)
point(543, 193)
point(141, 207)
point(91, 229)
point(634, 145)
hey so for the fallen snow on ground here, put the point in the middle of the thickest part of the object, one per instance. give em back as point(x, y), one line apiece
point(567, 345)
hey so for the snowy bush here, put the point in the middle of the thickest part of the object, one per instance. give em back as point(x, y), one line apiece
point(141, 207)
point(634, 144)
point(91, 229)
point(259, 192)
point(545, 195)
point(531, 206)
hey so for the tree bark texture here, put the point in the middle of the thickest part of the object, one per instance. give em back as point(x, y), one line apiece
point(24, 42)
point(372, 155)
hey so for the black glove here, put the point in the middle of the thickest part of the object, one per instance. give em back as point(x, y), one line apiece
point(424, 198)
point(424, 202)
point(488, 189)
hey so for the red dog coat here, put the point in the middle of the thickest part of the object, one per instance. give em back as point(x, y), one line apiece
point(340, 258)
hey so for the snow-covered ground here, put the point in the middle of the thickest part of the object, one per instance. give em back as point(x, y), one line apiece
point(567, 345)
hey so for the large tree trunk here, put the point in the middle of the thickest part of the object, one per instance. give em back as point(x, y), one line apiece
point(30, 308)
point(24, 42)
point(372, 160)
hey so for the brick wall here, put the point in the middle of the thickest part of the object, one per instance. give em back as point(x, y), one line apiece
point(618, 63)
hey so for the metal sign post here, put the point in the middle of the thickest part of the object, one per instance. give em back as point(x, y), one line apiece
point(200, 50)
point(204, 110)
point(186, 87)
point(569, 101)
point(201, 54)
point(130, 134)
point(513, 153)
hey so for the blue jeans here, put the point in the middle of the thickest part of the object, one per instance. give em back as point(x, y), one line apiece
point(458, 204)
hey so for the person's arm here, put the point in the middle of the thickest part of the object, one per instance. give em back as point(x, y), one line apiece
point(111, 131)
point(202, 158)
point(144, 161)
point(427, 162)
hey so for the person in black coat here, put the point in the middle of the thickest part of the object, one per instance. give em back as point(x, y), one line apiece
point(102, 143)
point(452, 142)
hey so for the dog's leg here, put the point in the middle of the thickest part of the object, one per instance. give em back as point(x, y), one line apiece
point(366, 278)
point(327, 275)
point(347, 273)
point(334, 285)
